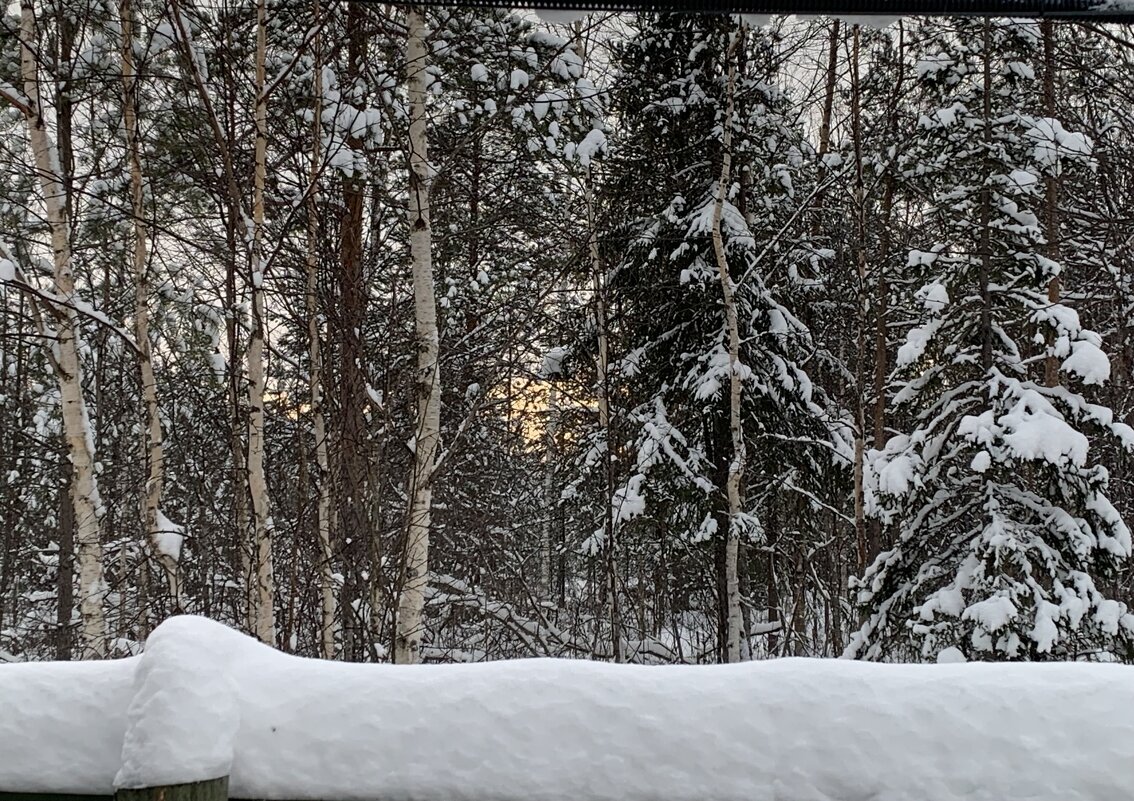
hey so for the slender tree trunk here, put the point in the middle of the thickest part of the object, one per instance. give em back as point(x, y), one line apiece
point(882, 285)
point(263, 589)
point(881, 354)
point(836, 579)
point(829, 89)
point(554, 412)
point(65, 573)
point(1051, 191)
point(415, 567)
point(833, 40)
point(12, 365)
point(353, 517)
point(985, 273)
point(602, 391)
point(153, 440)
point(864, 554)
point(747, 209)
point(881, 313)
point(602, 395)
point(799, 608)
point(236, 356)
point(61, 70)
point(327, 599)
point(234, 217)
point(237, 427)
point(223, 138)
point(68, 368)
point(551, 449)
point(736, 386)
point(775, 616)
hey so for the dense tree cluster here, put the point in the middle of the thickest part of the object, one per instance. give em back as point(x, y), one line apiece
point(450, 334)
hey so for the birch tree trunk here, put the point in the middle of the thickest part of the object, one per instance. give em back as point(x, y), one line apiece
point(154, 438)
point(253, 535)
point(315, 367)
point(263, 589)
point(415, 563)
point(728, 291)
point(86, 503)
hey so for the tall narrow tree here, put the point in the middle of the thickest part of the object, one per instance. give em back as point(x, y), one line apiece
point(86, 503)
point(165, 539)
point(415, 561)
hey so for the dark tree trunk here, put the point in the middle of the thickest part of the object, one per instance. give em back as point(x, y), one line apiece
point(65, 573)
point(351, 449)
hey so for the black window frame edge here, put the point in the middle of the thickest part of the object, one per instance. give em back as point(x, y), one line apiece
point(1116, 11)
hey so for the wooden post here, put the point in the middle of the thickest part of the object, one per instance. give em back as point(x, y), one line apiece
point(208, 790)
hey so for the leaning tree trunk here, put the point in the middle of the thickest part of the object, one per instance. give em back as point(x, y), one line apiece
point(262, 590)
point(68, 368)
point(415, 564)
point(154, 439)
point(728, 290)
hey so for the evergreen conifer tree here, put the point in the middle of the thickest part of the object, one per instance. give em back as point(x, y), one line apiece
point(1003, 531)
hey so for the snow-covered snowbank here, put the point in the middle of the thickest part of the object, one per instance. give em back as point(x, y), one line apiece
point(208, 699)
point(184, 716)
point(62, 724)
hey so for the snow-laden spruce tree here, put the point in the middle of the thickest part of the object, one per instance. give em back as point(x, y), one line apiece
point(686, 323)
point(1003, 536)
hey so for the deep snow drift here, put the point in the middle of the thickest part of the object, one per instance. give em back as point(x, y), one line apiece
point(206, 700)
point(62, 724)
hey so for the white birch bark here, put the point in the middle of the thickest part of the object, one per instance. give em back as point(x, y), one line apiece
point(315, 369)
point(68, 368)
point(415, 567)
point(257, 551)
point(728, 290)
point(262, 590)
point(154, 437)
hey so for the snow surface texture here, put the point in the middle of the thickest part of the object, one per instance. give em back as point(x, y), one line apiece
point(62, 725)
point(184, 716)
point(206, 699)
